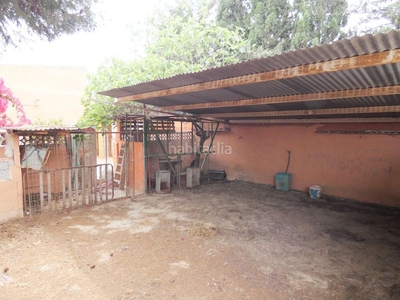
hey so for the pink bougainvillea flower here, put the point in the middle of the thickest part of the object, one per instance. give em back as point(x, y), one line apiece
point(5, 97)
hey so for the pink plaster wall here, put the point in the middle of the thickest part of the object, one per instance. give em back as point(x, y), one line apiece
point(353, 166)
point(11, 205)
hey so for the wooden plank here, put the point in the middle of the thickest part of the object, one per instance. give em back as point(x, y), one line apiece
point(64, 188)
point(70, 187)
point(90, 184)
point(368, 92)
point(101, 186)
point(49, 191)
point(76, 187)
point(315, 121)
point(41, 192)
point(106, 180)
point(95, 185)
point(363, 61)
point(83, 185)
point(329, 111)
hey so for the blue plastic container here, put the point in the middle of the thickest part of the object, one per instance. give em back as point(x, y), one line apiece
point(315, 191)
point(283, 181)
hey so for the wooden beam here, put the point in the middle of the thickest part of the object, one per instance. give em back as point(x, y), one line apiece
point(368, 92)
point(329, 111)
point(368, 60)
point(315, 121)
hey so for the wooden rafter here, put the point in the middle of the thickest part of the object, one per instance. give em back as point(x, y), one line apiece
point(329, 111)
point(316, 121)
point(368, 60)
point(368, 92)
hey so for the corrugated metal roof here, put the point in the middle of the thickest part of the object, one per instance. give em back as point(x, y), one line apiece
point(382, 75)
point(342, 49)
point(49, 128)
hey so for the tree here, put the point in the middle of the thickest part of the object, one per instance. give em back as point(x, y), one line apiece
point(378, 15)
point(234, 14)
point(100, 111)
point(318, 22)
point(272, 24)
point(6, 97)
point(275, 26)
point(179, 43)
point(47, 19)
point(190, 36)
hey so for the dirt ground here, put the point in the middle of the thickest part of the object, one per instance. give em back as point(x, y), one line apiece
point(232, 240)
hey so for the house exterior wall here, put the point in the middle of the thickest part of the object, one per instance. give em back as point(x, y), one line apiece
point(11, 205)
point(47, 92)
point(362, 167)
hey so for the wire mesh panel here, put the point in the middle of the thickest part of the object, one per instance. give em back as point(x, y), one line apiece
point(69, 170)
point(66, 170)
point(68, 188)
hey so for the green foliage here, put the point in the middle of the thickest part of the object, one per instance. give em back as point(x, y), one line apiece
point(275, 26)
point(47, 19)
point(190, 38)
point(381, 15)
point(100, 111)
point(393, 14)
point(271, 26)
point(182, 41)
point(234, 14)
point(53, 121)
point(194, 45)
point(318, 22)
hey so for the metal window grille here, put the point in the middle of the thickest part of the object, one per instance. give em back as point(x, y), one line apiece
point(3, 138)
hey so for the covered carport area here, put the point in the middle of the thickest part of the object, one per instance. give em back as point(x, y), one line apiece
point(327, 115)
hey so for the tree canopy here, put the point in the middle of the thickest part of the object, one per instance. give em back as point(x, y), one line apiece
point(318, 22)
point(275, 26)
point(47, 19)
point(380, 15)
point(182, 41)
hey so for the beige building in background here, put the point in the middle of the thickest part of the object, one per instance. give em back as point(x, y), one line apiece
point(47, 92)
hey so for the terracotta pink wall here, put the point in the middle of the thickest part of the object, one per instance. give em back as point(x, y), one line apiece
point(11, 205)
point(353, 166)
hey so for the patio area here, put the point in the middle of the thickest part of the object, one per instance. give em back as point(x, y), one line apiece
point(230, 240)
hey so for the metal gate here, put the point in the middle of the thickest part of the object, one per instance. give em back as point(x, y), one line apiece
point(71, 170)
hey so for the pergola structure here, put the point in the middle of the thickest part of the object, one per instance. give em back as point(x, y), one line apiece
point(353, 80)
point(347, 87)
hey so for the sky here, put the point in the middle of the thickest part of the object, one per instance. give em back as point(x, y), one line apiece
point(112, 37)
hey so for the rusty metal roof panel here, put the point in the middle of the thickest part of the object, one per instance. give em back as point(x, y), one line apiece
point(306, 105)
point(385, 75)
point(337, 50)
point(333, 116)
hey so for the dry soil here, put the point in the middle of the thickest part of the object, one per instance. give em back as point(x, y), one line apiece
point(231, 240)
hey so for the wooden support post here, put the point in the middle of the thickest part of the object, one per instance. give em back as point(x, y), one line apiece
point(210, 147)
point(83, 184)
point(64, 188)
point(70, 187)
point(48, 191)
point(162, 147)
point(41, 193)
point(76, 187)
